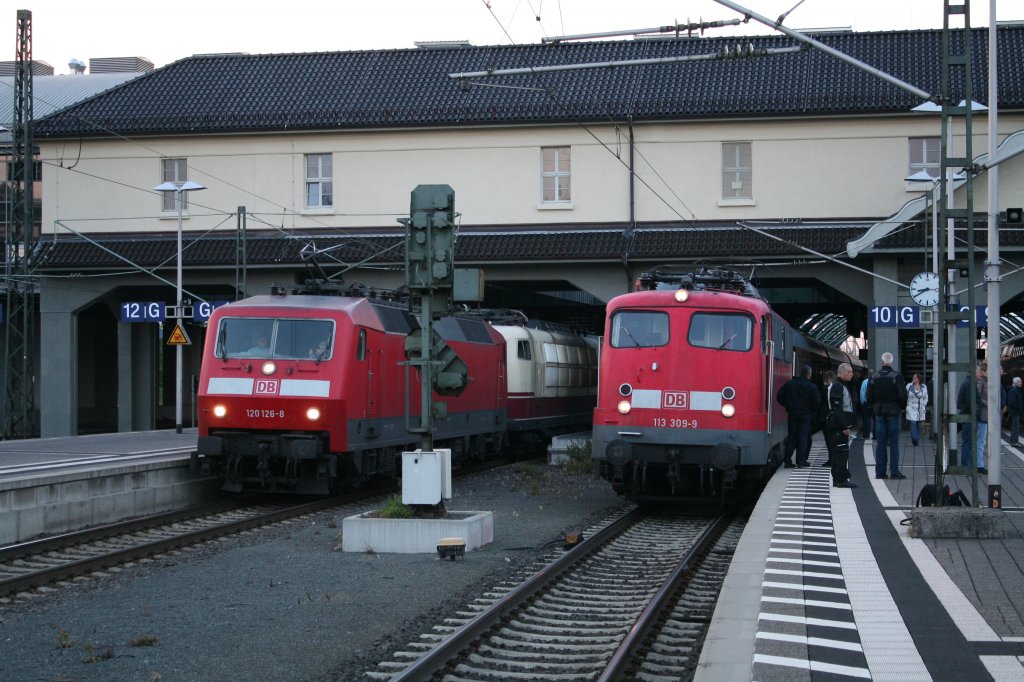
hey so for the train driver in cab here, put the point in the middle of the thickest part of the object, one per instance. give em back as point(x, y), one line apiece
point(319, 351)
point(260, 347)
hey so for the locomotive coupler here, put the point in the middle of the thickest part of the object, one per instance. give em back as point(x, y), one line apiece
point(232, 477)
point(263, 464)
point(673, 476)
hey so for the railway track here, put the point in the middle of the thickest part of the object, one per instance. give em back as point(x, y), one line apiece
point(635, 596)
point(35, 565)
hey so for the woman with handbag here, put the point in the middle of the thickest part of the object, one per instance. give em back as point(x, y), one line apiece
point(917, 401)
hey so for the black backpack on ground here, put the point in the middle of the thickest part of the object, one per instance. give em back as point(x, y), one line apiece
point(926, 498)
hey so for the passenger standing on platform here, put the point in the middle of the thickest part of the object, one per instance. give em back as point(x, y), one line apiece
point(866, 420)
point(887, 393)
point(801, 398)
point(826, 430)
point(1015, 405)
point(969, 445)
point(841, 421)
point(917, 402)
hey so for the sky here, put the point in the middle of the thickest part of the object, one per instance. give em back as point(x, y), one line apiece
point(166, 32)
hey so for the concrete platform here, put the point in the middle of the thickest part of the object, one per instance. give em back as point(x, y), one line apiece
point(59, 485)
point(827, 583)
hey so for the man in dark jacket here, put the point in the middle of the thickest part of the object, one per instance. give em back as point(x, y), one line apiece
point(841, 421)
point(1015, 405)
point(887, 394)
point(800, 397)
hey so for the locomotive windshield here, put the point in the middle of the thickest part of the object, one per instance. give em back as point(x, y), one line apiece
point(721, 331)
point(639, 329)
point(253, 337)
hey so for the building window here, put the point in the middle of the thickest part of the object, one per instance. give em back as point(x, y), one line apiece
point(925, 155)
point(319, 181)
point(176, 171)
point(556, 175)
point(37, 171)
point(737, 171)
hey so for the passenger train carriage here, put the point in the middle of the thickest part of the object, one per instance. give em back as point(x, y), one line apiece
point(690, 366)
point(552, 382)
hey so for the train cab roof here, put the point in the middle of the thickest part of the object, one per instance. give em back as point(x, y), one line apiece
point(361, 311)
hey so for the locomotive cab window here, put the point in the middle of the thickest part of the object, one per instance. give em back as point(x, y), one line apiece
point(296, 339)
point(361, 346)
point(721, 331)
point(639, 329)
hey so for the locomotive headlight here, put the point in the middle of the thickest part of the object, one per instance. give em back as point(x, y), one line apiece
point(682, 295)
point(219, 411)
point(728, 410)
point(269, 367)
point(624, 407)
point(313, 414)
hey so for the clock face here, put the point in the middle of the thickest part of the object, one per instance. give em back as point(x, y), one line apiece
point(924, 289)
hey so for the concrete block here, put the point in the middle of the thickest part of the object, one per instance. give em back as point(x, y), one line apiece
point(958, 522)
point(558, 450)
point(363, 533)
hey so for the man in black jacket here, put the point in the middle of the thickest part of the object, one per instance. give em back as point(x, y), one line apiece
point(887, 394)
point(841, 421)
point(800, 397)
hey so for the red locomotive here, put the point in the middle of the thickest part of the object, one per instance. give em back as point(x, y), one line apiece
point(690, 367)
point(308, 393)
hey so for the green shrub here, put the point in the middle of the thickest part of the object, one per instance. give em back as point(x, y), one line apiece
point(579, 457)
point(394, 509)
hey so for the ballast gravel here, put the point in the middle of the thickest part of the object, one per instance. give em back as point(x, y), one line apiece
point(285, 603)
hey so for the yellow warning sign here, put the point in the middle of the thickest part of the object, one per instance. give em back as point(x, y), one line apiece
point(178, 337)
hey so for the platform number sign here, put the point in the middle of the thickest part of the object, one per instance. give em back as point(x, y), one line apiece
point(201, 311)
point(894, 316)
point(143, 311)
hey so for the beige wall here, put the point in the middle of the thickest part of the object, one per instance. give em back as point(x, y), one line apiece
point(848, 168)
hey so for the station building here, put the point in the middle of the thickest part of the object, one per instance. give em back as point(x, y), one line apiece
point(789, 167)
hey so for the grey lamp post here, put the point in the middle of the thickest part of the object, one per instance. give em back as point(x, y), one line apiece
point(178, 188)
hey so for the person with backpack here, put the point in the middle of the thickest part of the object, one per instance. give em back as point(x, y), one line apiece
point(887, 393)
point(917, 402)
point(1015, 406)
point(866, 421)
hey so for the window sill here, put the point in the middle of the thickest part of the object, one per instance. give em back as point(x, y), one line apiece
point(172, 215)
point(737, 202)
point(918, 187)
point(555, 206)
point(324, 210)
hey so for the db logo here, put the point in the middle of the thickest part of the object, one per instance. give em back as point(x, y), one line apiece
point(674, 399)
point(266, 387)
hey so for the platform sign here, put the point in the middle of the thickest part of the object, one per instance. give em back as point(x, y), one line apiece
point(980, 316)
point(143, 311)
point(201, 311)
point(178, 337)
point(890, 316)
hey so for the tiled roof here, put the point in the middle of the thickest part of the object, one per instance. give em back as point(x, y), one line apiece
point(50, 93)
point(401, 88)
point(596, 243)
point(580, 243)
